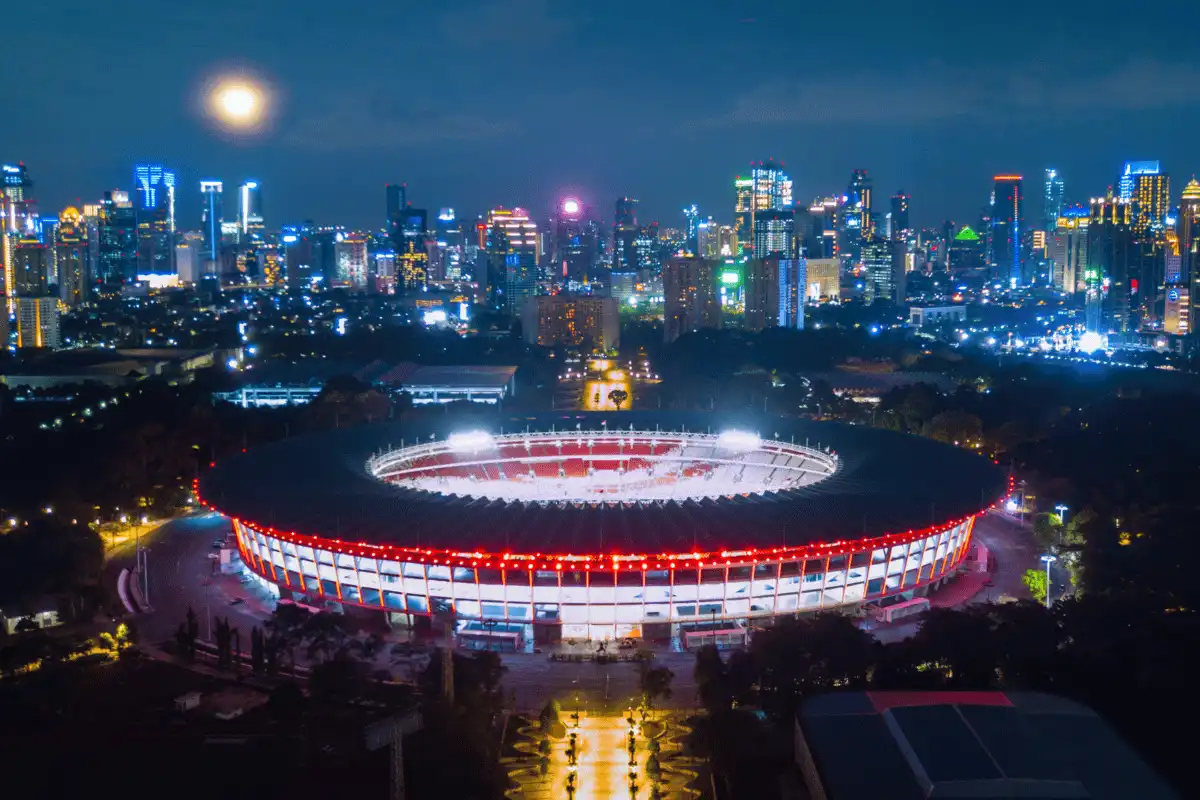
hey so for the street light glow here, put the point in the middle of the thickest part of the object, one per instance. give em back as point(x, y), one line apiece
point(738, 440)
point(470, 441)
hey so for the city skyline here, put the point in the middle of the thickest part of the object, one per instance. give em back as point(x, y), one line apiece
point(936, 126)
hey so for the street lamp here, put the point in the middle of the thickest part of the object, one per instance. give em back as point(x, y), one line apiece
point(1062, 513)
point(1049, 559)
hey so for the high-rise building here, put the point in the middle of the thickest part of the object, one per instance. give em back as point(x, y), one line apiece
point(708, 239)
point(690, 292)
point(898, 226)
point(412, 256)
point(625, 232)
point(18, 215)
point(511, 244)
point(155, 187)
point(155, 208)
point(965, 256)
point(31, 268)
point(571, 320)
point(691, 227)
point(1008, 225)
point(768, 189)
point(574, 249)
point(71, 258)
point(297, 244)
point(1067, 249)
point(118, 239)
point(824, 279)
point(37, 322)
point(251, 229)
point(743, 211)
point(397, 201)
point(647, 250)
point(1152, 203)
point(774, 233)
point(449, 238)
point(885, 282)
point(351, 255)
point(1188, 230)
point(1111, 276)
point(774, 290)
point(211, 218)
point(1053, 199)
point(1128, 177)
point(856, 216)
point(191, 257)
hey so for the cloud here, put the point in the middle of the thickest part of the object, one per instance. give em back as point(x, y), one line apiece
point(936, 93)
point(504, 22)
point(351, 121)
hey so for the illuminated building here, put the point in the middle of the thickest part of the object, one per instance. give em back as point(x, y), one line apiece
point(211, 220)
point(412, 257)
point(31, 268)
point(397, 201)
point(1152, 203)
point(673, 528)
point(768, 189)
point(449, 246)
point(690, 292)
point(1128, 178)
point(625, 232)
point(574, 246)
point(743, 211)
point(1110, 277)
point(118, 239)
point(1067, 248)
point(155, 211)
point(727, 241)
point(511, 243)
point(774, 290)
point(297, 244)
point(1188, 227)
point(965, 255)
point(856, 219)
point(1177, 312)
point(1007, 226)
point(17, 216)
point(155, 187)
point(885, 278)
point(350, 252)
point(691, 227)
point(71, 258)
point(573, 321)
point(708, 239)
point(191, 257)
point(37, 322)
point(898, 226)
point(1053, 198)
point(824, 278)
point(646, 249)
point(250, 214)
point(774, 233)
point(817, 229)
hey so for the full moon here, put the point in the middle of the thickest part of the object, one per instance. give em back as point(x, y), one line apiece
point(237, 103)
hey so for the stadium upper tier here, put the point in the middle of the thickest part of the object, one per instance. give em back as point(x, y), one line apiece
point(650, 483)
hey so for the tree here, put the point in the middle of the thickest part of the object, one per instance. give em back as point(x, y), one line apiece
point(1035, 581)
point(955, 427)
point(618, 396)
point(549, 716)
point(655, 682)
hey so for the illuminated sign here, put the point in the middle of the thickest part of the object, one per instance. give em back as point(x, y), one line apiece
point(729, 278)
point(291, 237)
point(1173, 295)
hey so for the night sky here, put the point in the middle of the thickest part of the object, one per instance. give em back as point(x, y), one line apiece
point(485, 102)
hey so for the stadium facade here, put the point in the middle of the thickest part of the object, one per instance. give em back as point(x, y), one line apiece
point(673, 527)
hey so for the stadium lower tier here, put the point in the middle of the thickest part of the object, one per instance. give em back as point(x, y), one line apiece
point(514, 607)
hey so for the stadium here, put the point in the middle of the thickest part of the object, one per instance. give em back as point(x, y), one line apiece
point(677, 528)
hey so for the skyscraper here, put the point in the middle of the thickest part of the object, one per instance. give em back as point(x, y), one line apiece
point(155, 186)
point(1128, 177)
point(31, 268)
point(1188, 227)
point(211, 216)
point(768, 189)
point(898, 228)
point(856, 219)
point(155, 208)
point(250, 214)
point(397, 201)
point(1151, 195)
point(17, 216)
point(412, 258)
point(774, 233)
point(690, 292)
point(1008, 224)
point(691, 226)
point(511, 242)
point(574, 250)
point(1111, 276)
point(885, 282)
point(118, 250)
point(774, 290)
point(71, 258)
point(1053, 199)
point(449, 245)
point(1068, 249)
point(625, 231)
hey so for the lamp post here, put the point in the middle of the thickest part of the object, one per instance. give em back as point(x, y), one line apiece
point(1062, 513)
point(1049, 559)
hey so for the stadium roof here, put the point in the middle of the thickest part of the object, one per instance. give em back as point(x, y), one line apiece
point(917, 745)
point(887, 483)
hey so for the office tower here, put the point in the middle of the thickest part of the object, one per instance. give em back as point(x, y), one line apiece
point(625, 232)
point(211, 219)
point(1053, 199)
point(412, 257)
point(511, 246)
point(583, 321)
point(768, 188)
point(155, 187)
point(824, 279)
point(191, 257)
point(691, 227)
point(1128, 177)
point(774, 290)
point(1067, 248)
point(898, 227)
point(1008, 225)
point(727, 241)
point(690, 292)
point(857, 219)
point(251, 229)
point(17, 215)
point(397, 201)
point(1152, 203)
point(1177, 311)
point(647, 250)
point(352, 258)
point(1111, 277)
point(774, 233)
point(37, 323)
point(118, 239)
point(885, 280)
point(72, 258)
point(1187, 227)
point(708, 239)
point(449, 246)
point(31, 268)
point(743, 211)
point(297, 244)
point(573, 250)
point(155, 211)
point(965, 256)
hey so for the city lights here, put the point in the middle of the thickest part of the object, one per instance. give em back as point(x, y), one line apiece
point(738, 441)
point(470, 441)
